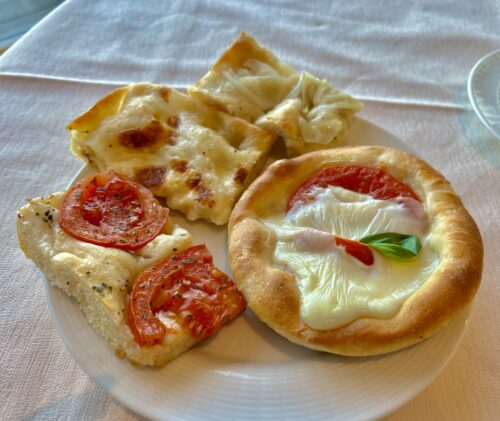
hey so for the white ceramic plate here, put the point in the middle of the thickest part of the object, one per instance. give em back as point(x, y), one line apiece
point(248, 372)
point(483, 88)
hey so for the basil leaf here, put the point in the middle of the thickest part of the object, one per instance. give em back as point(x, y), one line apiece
point(394, 245)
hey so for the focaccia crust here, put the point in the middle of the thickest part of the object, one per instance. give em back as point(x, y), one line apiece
point(273, 295)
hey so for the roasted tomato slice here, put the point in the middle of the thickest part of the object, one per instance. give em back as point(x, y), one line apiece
point(356, 249)
point(187, 286)
point(111, 211)
point(359, 179)
point(365, 180)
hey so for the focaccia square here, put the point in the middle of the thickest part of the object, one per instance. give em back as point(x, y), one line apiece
point(150, 304)
point(250, 82)
point(198, 158)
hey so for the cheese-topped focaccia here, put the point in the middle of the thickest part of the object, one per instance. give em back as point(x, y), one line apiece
point(355, 251)
point(250, 82)
point(198, 158)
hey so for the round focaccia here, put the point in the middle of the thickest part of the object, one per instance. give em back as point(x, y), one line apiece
point(298, 235)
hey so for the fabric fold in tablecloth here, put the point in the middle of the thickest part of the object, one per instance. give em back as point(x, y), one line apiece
point(415, 53)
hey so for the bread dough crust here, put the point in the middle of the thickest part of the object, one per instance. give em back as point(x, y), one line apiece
point(274, 296)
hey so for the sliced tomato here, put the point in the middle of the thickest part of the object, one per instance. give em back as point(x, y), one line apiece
point(356, 249)
point(111, 211)
point(188, 285)
point(365, 180)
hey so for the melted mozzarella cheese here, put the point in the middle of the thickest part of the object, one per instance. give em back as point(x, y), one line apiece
point(247, 81)
point(335, 287)
point(319, 111)
point(198, 157)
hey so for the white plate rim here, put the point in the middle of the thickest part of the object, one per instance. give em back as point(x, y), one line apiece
point(457, 326)
point(472, 91)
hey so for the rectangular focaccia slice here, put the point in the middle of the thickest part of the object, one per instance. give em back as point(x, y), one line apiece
point(199, 158)
point(250, 82)
point(99, 278)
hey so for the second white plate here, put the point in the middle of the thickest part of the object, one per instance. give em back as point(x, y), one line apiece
point(483, 88)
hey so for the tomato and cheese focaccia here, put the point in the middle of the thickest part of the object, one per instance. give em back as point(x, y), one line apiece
point(248, 81)
point(198, 158)
point(141, 284)
point(356, 251)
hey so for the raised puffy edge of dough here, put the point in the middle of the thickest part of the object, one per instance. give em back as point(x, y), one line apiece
point(89, 120)
point(105, 107)
point(245, 47)
point(274, 297)
point(97, 311)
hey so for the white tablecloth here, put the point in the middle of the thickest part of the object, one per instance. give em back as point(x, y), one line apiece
point(408, 61)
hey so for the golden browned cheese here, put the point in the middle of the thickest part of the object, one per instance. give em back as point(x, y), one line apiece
point(198, 158)
point(274, 295)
